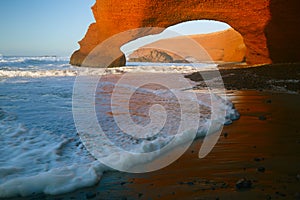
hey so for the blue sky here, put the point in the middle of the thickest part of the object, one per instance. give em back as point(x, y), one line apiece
point(53, 27)
point(43, 27)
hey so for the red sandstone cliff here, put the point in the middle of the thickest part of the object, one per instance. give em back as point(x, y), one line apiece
point(227, 46)
point(269, 27)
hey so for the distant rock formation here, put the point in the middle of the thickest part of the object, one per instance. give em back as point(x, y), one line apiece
point(226, 46)
point(268, 27)
point(150, 55)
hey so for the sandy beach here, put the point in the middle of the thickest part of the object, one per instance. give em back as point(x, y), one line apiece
point(98, 97)
point(256, 157)
point(263, 146)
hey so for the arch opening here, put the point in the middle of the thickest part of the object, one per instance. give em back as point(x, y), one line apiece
point(220, 40)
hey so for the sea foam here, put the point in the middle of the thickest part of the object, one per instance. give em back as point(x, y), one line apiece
point(37, 156)
point(39, 162)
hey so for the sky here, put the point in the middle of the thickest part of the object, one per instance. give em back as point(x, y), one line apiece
point(43, 27)
point(53, 27)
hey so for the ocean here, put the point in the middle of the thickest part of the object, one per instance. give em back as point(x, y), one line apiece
point(46, 146)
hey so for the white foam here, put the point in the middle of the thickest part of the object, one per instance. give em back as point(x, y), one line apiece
point(32, 162)
point(74, 71)
point(36, 161)
point(37, 74)
point(54, 181)
point(16, 60)
point(160, 69)
point(32, 58)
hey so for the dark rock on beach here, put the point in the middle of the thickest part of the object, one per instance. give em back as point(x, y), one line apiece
point(261, 169)
point(257, 159)
point(280, 194)
point(275, 77)
point(262, 118)
point(225, 135)
point(243, 184)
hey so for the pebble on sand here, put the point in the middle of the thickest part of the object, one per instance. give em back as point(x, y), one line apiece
point(257, 159)
point(262, 118)
point(243, 184)
point(261, 169)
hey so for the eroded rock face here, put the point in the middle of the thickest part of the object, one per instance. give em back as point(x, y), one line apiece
point(224, 46)
point(151, 55)
point(269, 27)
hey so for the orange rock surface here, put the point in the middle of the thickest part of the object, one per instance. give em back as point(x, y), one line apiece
point(269, 27)
point(226, 46)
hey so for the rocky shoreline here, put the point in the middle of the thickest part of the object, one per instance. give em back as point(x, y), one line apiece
point(269, 77)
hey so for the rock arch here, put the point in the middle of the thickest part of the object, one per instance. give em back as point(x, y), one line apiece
point(251, 18)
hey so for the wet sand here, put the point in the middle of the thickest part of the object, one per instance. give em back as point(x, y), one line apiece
point(263, 146)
